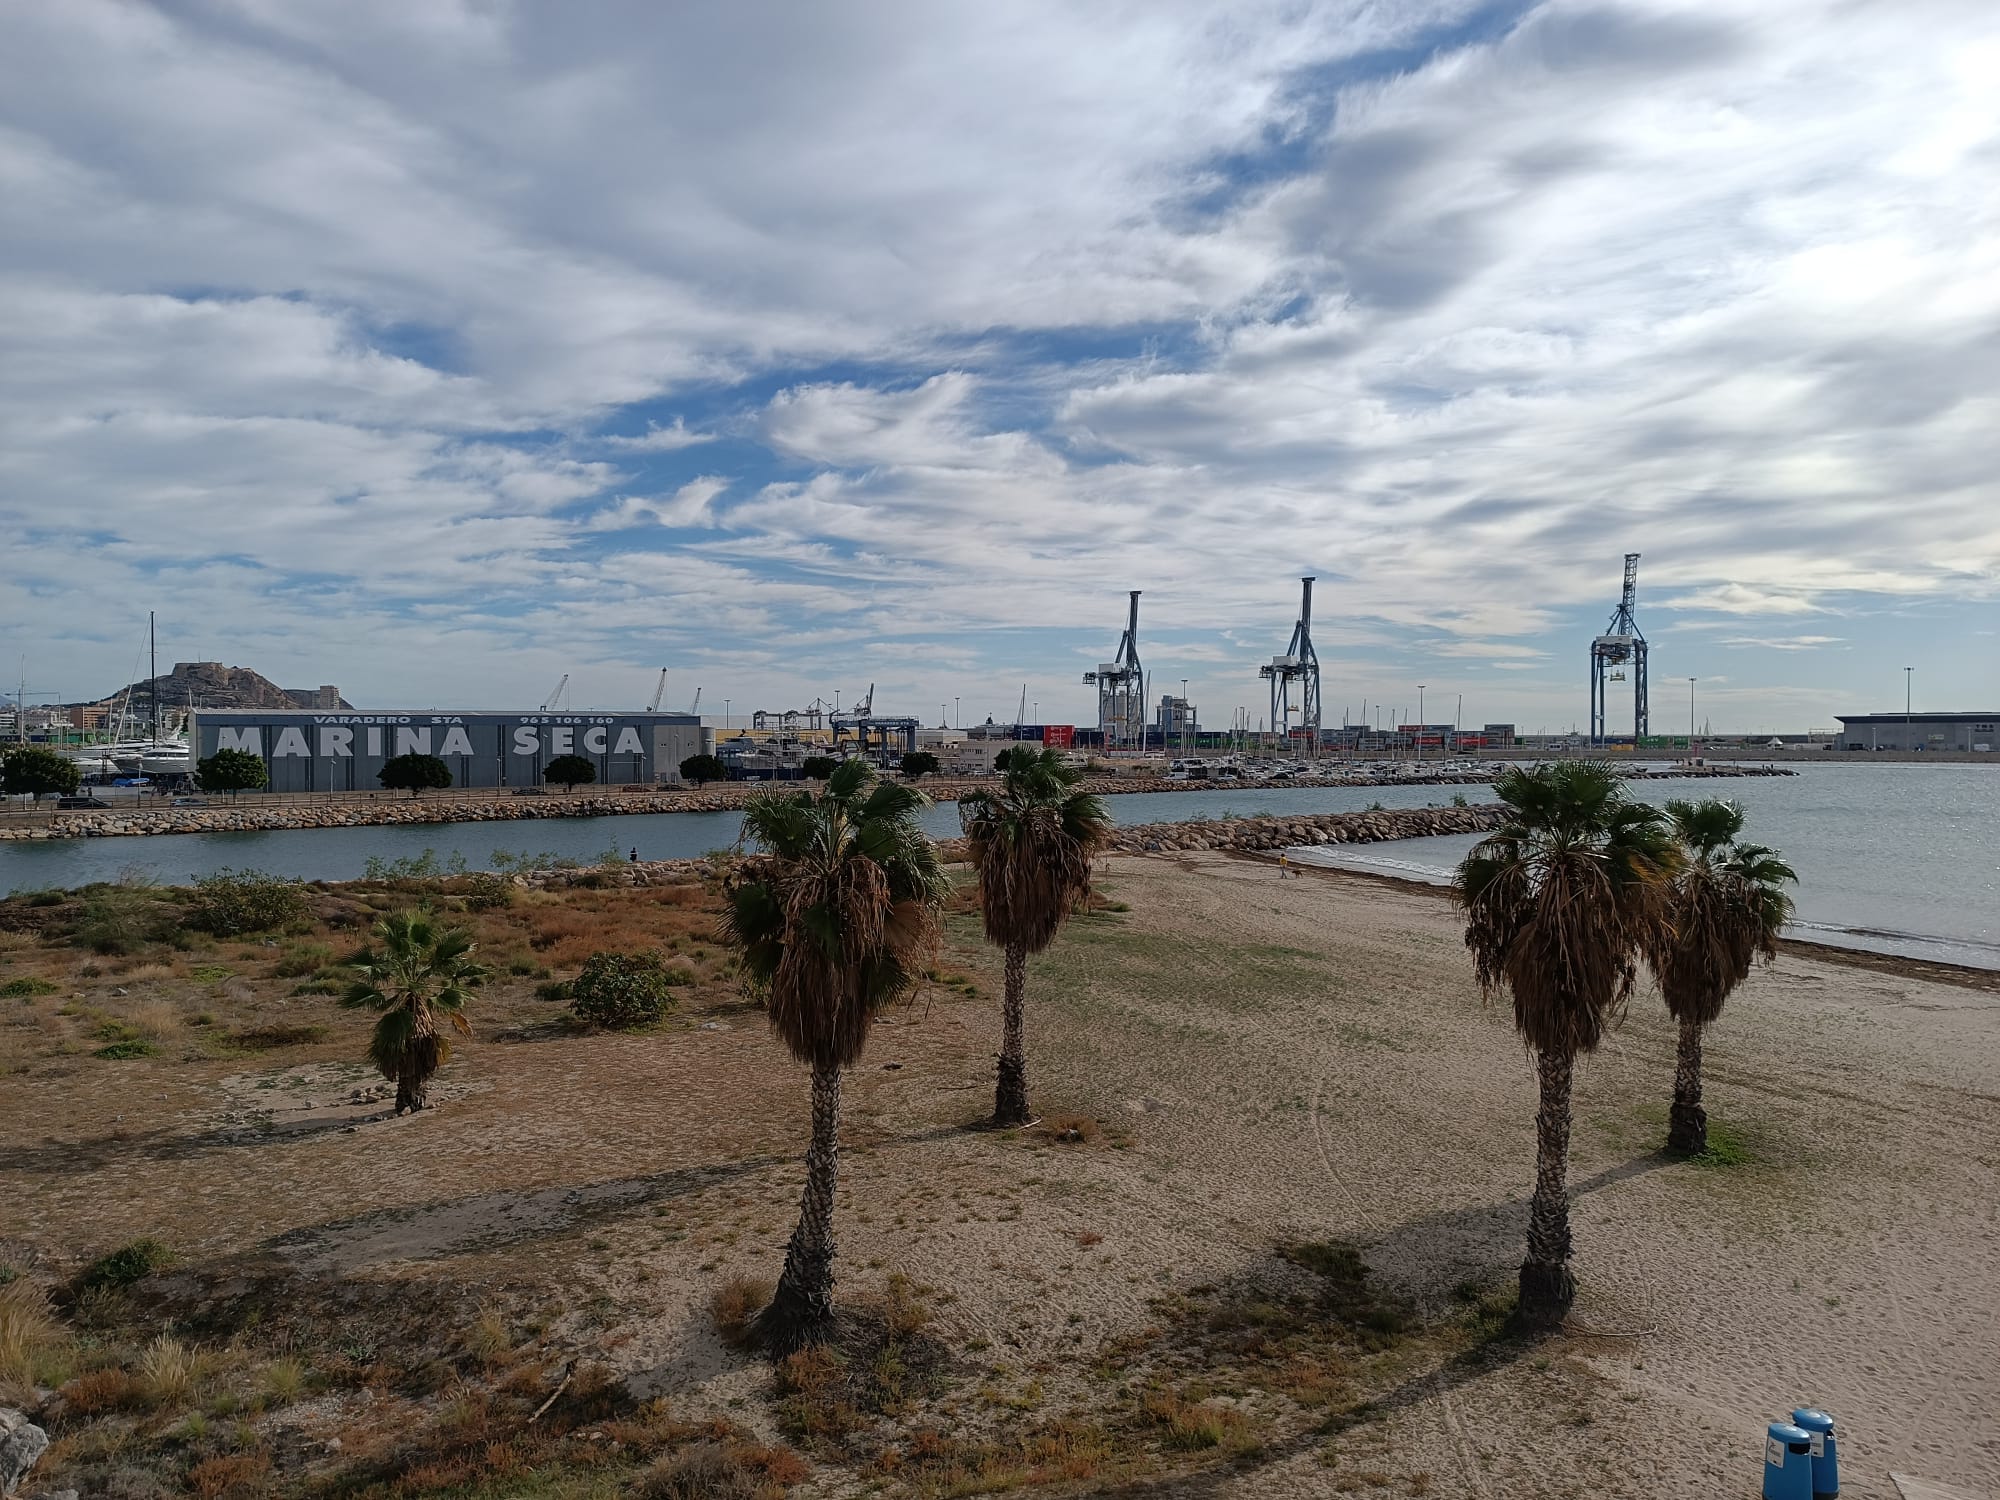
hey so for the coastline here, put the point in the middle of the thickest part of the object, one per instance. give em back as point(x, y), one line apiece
point(1935, 971)
point(386, 810)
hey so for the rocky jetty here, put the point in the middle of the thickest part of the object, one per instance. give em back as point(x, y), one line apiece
point(1291, 832)
point(255, 813)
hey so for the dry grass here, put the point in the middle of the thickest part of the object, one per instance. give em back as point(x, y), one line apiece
point(715, 1471)
point(735, 1307)
point(32, 1344)
point(155, 1019)
point(170, 1370)
point(488, 1339)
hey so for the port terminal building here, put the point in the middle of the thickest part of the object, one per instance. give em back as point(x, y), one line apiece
point(1954, 731)
point(314, 750)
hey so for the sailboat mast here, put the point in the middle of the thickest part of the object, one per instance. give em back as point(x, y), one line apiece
point(153, 671)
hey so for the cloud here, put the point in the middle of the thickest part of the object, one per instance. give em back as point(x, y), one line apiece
point(1783, 642)
point(452, 319)
point(655, 439)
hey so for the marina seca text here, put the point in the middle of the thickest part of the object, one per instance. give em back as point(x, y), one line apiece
point(385, 734)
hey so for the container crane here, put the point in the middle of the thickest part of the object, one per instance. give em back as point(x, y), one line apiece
point(551, 703)
point(1299, 665)
point(1620, 646)
point(1121, 689)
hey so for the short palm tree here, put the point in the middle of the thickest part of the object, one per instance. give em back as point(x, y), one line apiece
point(419, 978)
point(835, 918)
point(1727, 905)
point(1031, 842)
point(1561, 901)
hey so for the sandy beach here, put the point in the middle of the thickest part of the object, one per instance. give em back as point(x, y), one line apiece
point(1253, 1064)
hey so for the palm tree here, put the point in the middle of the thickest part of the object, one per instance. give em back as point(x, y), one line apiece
point(834, 918)
point(1031, 842)
point(419, 979)
point(1561, 900)
point(1727, 905)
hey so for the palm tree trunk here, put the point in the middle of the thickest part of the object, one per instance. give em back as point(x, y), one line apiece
point(801, 1311)
point(1546, 1284)
point(1687, 1127)
point(1010, 1099)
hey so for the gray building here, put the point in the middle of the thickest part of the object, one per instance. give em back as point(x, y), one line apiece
point(312, 750)
point(1968, 731)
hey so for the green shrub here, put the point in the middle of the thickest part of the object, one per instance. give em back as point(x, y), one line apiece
point(555, 991)
point(27, 987)
point(622, 990)
point(127, 1049)
point(116, 919)
point(486, 891)
point(230, 903)
point(125, 1265)
point(424, 866)
point(306, 958)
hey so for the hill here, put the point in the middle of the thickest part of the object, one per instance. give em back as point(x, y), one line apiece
point(209, 684)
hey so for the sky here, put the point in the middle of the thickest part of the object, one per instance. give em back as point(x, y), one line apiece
point(439, 350)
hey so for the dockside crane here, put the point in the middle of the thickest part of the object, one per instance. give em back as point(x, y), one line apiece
point(1621, 647)
point(1298, 667)
point(557, 694)
point(658, 693)
point(1121, 689)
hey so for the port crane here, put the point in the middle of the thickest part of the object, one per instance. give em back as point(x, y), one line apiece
point(556, 694)
point(1299, 665)
point(1121, 689)
point(1622, 645)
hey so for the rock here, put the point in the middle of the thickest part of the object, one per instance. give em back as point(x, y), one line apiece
point(21, 1443)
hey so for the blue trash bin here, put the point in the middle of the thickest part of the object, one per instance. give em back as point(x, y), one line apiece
point(1787, 1462)
point(1825, 1463)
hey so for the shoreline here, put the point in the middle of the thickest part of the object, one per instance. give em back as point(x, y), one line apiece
point(1937, 971)
point(381, 810)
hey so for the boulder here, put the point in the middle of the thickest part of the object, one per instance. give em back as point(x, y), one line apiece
point(21, 1443)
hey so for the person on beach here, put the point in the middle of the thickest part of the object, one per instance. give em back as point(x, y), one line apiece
point(635, 854)
point(1284, 864)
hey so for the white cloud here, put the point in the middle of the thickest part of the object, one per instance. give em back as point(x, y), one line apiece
point(1782, 642)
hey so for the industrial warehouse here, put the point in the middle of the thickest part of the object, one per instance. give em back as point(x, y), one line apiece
point(312, 751)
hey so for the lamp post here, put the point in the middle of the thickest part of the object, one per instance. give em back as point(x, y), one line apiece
point(1420, 722)
point(956, 721)
point(1184, 716)
point(1457, 724)
point(1909, 739)
point(725, 716)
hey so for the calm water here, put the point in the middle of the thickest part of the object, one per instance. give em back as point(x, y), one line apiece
point(343, 853)
point(1898, 859)
point(1902, 859)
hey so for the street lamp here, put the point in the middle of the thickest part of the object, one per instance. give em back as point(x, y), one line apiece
point(1184, 716)
point(956, 721)
point(725, 716)
point(1420, 722)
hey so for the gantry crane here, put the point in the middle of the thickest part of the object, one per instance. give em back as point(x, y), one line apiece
point(1621, 648)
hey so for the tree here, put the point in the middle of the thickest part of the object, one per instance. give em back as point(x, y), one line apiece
point(36, 770)
point(1726, 906)
point(835, 918)
point(1000, 760)
point(818, 767)
point(1031, 843)
point(571, 770)
point(1561, 900)
point(231, 771)
point(918, 763)
point(702, 769)
point(419, 979)
point(417, 772)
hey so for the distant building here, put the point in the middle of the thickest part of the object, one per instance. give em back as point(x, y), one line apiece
point(1955, 731)
point(342, 750)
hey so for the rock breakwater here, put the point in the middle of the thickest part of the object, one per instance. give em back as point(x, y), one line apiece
point(1290, 832)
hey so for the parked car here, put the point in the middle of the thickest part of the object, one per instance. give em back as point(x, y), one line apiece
point(190, 802)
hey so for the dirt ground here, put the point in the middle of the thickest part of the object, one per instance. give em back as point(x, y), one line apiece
point(1256, 1073)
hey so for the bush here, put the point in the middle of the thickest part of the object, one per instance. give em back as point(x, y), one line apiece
point(125, 1265)
point(230, 903)
point(918, 763)
point(818, 767)
point(26, 988)
point(619, 991)
point(115, 919)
